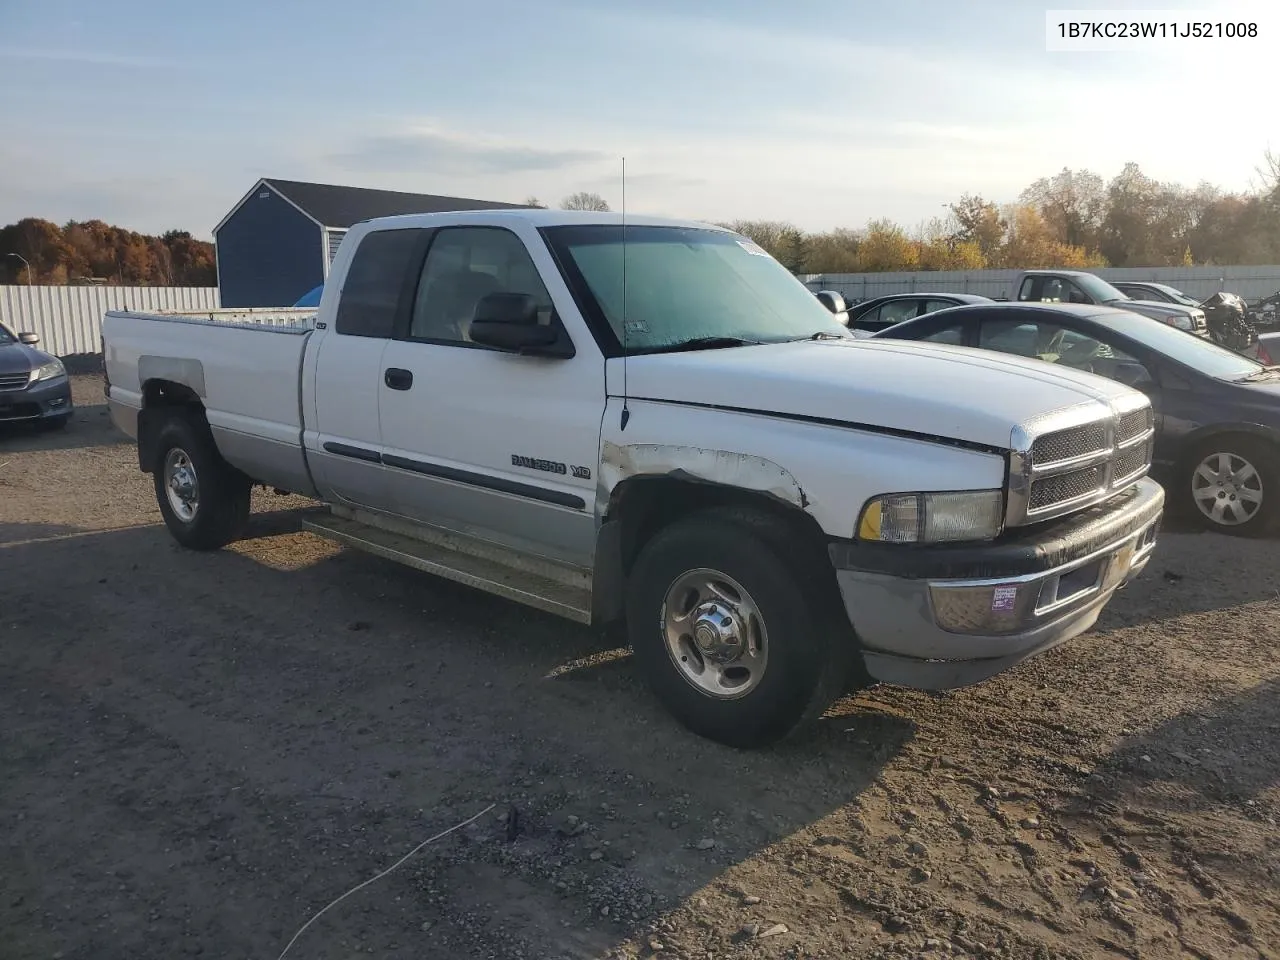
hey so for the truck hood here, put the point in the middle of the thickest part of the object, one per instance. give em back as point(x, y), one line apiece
point(1155, 307)
point(930, 389)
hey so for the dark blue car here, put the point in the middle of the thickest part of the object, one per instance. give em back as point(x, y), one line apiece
point(33, 384)
point(1217, 441)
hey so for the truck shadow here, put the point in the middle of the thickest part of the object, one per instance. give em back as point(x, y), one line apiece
point(1224, 753)
point(236, 738)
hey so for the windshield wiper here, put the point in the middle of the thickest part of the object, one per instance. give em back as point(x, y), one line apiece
point(1266, 373)
point(702, 343)
point(823, 335)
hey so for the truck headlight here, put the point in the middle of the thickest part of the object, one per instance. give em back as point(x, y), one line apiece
point(1181, 322)
point(49, 371)
point(932, 517)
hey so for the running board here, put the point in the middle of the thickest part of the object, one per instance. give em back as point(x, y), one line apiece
point(482, 573)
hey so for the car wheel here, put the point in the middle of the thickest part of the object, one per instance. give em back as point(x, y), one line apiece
point(203, 499)
point(729, 633)
point(1234, 485)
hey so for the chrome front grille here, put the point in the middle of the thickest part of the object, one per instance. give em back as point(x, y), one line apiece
point(1134, 423)
point(14, 381)
point(1067, 487)
point(1070, 443)
point(1078, 457)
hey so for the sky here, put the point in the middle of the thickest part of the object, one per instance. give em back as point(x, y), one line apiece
point(162, 115)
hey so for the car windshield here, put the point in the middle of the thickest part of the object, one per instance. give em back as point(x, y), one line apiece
point(6, 336)
point(1098, 289)
point(689, 286)
point(1191, 351)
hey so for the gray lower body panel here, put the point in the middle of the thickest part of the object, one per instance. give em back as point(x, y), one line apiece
point(941, 634)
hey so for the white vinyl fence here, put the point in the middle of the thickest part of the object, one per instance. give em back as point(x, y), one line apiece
point(1251, 282)
point(69, 318)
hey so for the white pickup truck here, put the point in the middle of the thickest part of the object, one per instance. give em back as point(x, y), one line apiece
point(653, 423)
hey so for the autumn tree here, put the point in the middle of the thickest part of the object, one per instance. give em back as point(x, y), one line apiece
point(1072, 204)
point(93, 249)
point(1031, 243)
point(585, 201)
point(886, 247)
point(979, 222)
point(834, 252)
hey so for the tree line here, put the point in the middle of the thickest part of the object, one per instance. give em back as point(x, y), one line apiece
point(95, 252)
point(1071, 219)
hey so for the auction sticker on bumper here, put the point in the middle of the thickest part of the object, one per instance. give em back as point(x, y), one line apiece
point(1002, 598)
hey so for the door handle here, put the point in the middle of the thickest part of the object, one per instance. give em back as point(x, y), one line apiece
point(398, 379)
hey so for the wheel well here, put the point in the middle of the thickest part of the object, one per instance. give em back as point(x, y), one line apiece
point(160, 399)
point(641, 506)
point(645, 505)
point(1195, 443)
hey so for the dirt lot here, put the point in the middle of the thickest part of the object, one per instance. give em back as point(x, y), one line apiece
point(199, 751)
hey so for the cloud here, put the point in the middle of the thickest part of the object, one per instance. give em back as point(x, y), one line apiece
point(436, 151)
point(90, 57)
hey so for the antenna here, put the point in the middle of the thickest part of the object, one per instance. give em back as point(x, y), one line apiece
point(626, 412)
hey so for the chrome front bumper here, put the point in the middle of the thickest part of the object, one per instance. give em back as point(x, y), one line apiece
point(935, 631)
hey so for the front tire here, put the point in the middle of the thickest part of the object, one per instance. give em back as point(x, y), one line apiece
point(735, 641)
point(1232, 485)
point(203, 499)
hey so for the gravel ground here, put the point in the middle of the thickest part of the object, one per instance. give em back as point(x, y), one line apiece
point(197, 752)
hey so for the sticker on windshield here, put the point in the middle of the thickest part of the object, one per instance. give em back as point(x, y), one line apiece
point(753, 248)
point(636, 326)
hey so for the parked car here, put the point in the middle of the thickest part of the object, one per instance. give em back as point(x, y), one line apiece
point(773, 509)
point(880, 312)
point(1224, 312)
point(1265, 314)
point(1076, 286)
point(1217, 413)
point(34, 386)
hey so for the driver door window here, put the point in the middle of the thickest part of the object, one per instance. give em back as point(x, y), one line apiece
point(953, 335)
point(896, 311)
point(1068, 348)
point(464, 265)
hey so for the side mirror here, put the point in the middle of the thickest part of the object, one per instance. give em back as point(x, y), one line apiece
point(835, 302)
point(29, 338)
point(832, 300)
point(509, 321)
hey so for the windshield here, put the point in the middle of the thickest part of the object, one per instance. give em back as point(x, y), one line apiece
point(6, 336)
point(1192, 351)
point(1098, 289)
point(688, 284)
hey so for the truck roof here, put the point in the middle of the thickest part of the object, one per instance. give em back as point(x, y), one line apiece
point(534, 216)
point(1060, 273)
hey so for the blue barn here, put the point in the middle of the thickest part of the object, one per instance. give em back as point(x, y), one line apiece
point(278, 241)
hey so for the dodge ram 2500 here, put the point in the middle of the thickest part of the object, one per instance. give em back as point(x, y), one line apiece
point(651, 422)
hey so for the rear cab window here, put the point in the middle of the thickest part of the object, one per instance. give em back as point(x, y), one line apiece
point(374, 283)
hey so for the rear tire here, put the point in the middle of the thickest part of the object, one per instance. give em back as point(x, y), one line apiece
point(1231, 484)
point(737, 642)
point(204, 500)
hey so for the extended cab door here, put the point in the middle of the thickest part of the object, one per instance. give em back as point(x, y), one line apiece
point(346, 448)
point(482, 440)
